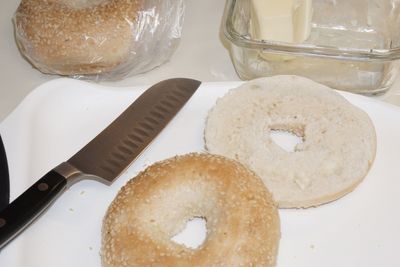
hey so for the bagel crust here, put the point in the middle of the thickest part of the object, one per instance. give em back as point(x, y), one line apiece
point(242, 221)
point(339, 141)
point(70, 37)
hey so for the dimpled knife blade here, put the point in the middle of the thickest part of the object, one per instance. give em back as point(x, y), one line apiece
point(123, 140)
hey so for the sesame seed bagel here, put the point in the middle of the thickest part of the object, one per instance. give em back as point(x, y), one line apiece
point(337, 150)
point(242, 220)
point(71, 37)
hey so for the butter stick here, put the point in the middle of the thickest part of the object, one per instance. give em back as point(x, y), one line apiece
point(281, 20)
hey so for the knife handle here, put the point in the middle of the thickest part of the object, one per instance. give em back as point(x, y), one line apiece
point(24, 209)
point(4, 178)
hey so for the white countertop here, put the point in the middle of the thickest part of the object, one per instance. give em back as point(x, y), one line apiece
point(202, 55)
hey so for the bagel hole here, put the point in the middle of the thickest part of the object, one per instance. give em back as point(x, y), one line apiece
point(287, 140)
point(193, 235)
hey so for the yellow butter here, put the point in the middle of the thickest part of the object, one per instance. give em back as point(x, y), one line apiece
point(281, 20)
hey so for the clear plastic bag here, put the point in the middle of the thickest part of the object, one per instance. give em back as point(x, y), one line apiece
point(98, 39)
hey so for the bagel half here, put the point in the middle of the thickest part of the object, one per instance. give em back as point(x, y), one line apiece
point(339, 141)
point(241, 216)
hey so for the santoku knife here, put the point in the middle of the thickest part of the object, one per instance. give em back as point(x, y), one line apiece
point(103, 158)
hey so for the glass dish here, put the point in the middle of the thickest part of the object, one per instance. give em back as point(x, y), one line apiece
point(353, 46)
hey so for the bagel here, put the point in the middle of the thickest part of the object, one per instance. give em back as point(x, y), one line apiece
point(91, 37)
point(241, 217)
point(339, 141)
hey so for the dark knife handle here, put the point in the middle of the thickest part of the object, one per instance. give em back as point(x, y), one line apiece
point(23, 210)
point(4, 178)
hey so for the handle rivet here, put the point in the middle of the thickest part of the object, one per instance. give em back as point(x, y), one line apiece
point(43, 187)
point(2, 222)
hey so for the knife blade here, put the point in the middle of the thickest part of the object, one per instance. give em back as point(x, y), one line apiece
point(4, 178)
point(103, 158)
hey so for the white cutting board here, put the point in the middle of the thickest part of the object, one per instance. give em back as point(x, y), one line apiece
point(61, 116)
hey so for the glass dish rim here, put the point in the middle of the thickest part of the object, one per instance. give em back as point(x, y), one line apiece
point(303, 49)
